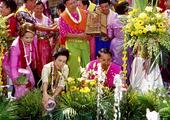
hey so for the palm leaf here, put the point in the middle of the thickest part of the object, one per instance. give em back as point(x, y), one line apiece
point(140, 4)
point(30, 106)
point(7, 109)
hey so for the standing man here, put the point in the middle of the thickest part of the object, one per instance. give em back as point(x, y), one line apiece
point(72, 26)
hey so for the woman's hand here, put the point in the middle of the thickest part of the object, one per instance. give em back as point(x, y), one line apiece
point(45, 99)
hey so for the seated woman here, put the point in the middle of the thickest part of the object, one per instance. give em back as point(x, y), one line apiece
point(54, 74)
point(108, 68)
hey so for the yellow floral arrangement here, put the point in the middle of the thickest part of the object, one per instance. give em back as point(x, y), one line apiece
point(80, 100)
point(147, 33)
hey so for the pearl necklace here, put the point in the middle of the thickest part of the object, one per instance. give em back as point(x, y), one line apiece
point(72, 18)
point(25, 54)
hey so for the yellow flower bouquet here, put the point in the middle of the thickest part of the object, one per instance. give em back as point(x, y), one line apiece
point(80, 101)
point(146, 32)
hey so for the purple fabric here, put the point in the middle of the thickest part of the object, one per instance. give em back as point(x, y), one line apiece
point(112, 70)
point(115, 33)
point(116, 46)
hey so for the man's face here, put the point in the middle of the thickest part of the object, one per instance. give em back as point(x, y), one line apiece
point(71, 4)
point(105, 8)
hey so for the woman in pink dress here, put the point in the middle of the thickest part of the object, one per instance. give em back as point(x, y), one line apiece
point(22, 60)
point(44, 48)
point(109, 69)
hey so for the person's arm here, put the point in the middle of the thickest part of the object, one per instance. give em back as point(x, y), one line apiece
point(58, 91)
point(53, 28)
point(14, 61)
point(44, 77)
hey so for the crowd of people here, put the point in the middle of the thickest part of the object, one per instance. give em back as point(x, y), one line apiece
point(51, 50)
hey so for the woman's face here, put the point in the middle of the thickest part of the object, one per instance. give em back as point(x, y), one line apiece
point(28, 37)
point(105, 60)
point(5, 11)
point(60, 61)
point(39, 9)
point(105, 8)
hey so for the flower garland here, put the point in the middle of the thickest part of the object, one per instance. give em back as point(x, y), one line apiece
point(72, 18)
point(25, 54)
point(1, 56)
point(124, 59)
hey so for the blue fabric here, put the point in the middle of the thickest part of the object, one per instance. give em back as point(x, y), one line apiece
point(101, 44)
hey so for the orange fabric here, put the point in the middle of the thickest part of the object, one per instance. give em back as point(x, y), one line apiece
point(81, 26)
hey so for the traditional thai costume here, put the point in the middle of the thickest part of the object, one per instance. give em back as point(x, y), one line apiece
point(22, 56)
point(43, 43)
point(112, 69)
point(24, 15)
point(103, 41)
point(78, 48)
point(53, 77)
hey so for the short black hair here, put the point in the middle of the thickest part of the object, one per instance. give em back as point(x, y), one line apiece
point(64, 1)
point(61, 52)
point(10, 4)
point(122, 8)
point(104, 1)
point(61, 6)
point(39, 2)
point(105, 51)
point(85, 2)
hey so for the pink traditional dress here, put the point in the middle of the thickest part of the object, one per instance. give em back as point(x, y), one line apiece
point(113, 69)
point(18, 48)
point(43, 43)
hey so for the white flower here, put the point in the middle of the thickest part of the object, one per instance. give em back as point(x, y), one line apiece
point(149, 9)
point(151, 28)
point(158, 9)
point(158, 15)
